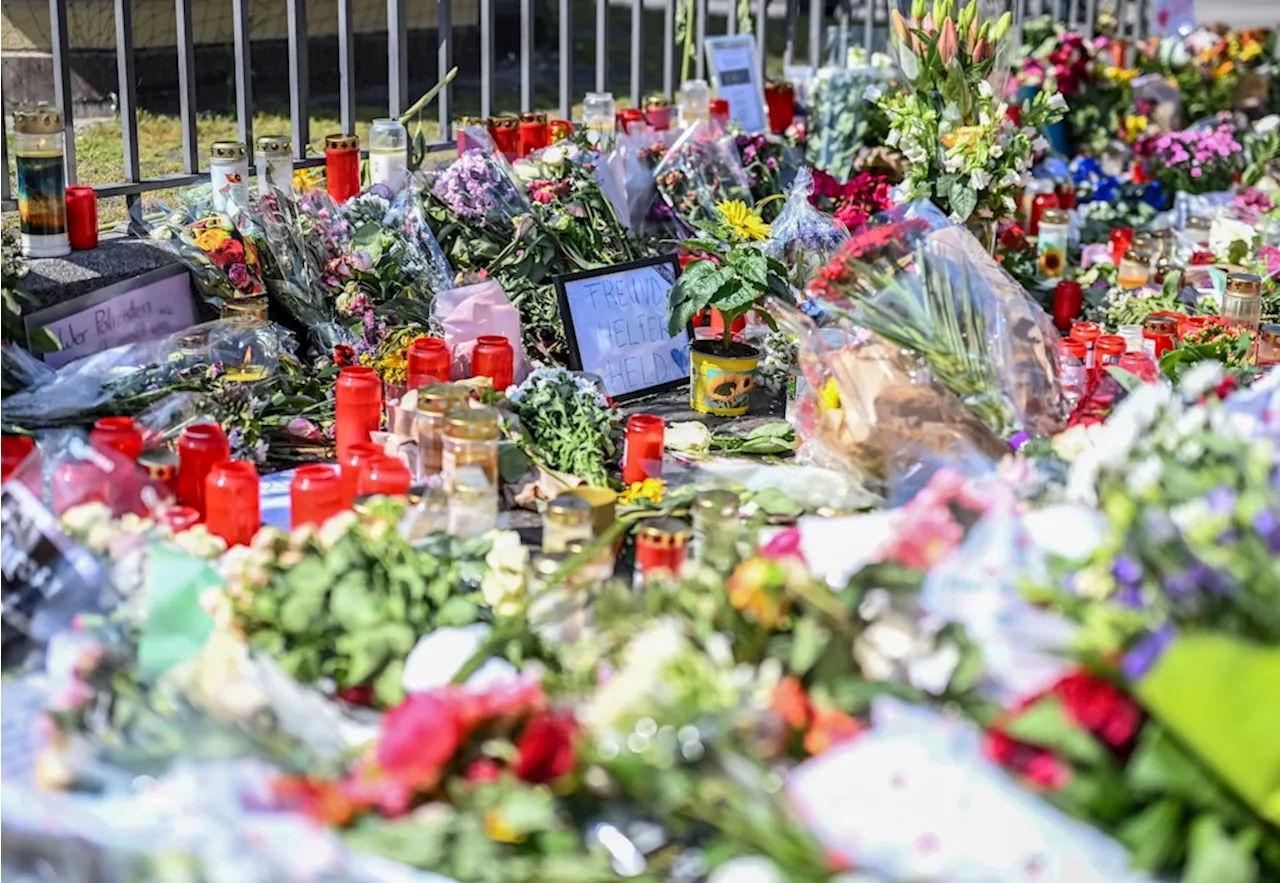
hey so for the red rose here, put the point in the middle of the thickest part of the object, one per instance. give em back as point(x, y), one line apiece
point(1099, 707)
point(419, 736)
point(546, 747)
point(1048, 772)
point(344, 355)
point(482, 770)
point(231, 250)
point(1000, 748)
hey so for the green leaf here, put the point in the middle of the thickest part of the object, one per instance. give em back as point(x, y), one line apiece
point(1154, 836)
point(388, 688)
point(352, 603)
point(309, 575)
point(1214, 857)
point(368, 655)
point(963, 201)
point(774, 502)
point(368, 238)
point(299, 612)
point(808, 639)
point(457, 611)
point(1046, 724)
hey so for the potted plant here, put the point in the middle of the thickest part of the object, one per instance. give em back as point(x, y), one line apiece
point(732, 274)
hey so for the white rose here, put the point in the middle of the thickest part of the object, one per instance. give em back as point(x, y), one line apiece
point(553, 157)
point(689, 437)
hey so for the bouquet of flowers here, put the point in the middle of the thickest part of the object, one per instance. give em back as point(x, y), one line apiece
point(846, 117)
point(473, 206)
point(965, 154)
point(393, 252)
point(1194, 160)
point(568, 424)
point(224, 261)
point(699, 172)
point(853, 202)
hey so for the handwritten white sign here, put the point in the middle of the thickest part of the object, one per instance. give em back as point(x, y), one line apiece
point(144, 308)
point(616, 322)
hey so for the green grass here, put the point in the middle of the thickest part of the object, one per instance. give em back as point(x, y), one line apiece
point(100, 158)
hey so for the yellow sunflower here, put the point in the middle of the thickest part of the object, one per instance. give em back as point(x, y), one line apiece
point(743, 221)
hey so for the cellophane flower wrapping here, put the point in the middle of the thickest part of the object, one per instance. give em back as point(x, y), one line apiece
point(221, 252)
point(872, 409)
point(700, 171)
point(640, 153)
point(801, 237)
point(843, 99)
point(480, 188)
point(944, 299)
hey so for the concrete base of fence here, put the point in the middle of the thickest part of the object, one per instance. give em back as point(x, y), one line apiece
point(117, 258)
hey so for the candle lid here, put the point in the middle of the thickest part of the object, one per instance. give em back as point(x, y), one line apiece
point(772, 85)
point(569, 510)
point(657, 102)
point(534, 116)
point(1244, 284)
point(503, 121)
point(1054, 216)
point(1160, 325)
point(1270, 333)
point(720, 503)
point(275, 144)
point(477, 424)
point(1199, 223)
point(159, 463)
point(442, 398)
point(665, 532)
point(1137, 255)
point(232, 150)
point(37, 119)
point(341, 141)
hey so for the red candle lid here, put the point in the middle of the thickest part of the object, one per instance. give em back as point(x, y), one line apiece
point(1110, 343)
point(719, 107)
point(1086, 331)
point(1072, 347)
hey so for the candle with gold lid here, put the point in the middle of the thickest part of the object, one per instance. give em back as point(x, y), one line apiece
point(229, 175)
point(39, 151)
point(470, 439)
point(568, 518)
point(274, 159)
point(1242, 301)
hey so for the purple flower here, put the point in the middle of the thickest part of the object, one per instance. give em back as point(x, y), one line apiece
point(1221, 500)
point(1268, 527)
point(1126, 571)
point(1130, 596)
point(1138, 661)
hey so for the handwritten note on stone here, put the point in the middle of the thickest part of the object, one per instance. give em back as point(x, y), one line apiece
point(616, 320)
point(128, 313)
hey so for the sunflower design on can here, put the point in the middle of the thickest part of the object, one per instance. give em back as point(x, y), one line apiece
point(1051, 243)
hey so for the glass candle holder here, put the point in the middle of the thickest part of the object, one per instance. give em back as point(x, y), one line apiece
point(342, 166)
point(232, 502)
point(1107, 351)
point(384, 475)
point(273, 155)
point(598, 113)
point(715, 530)
point(657, 113)
point(357, 406)
point(473, 503)
point(1051, 242)
point(1087, 333)
point(642, 457)
point(429, 362)
point(39, 157)
point(505, 132)
point(1132, 335)
point(434, 402)
point(351, 465)
point(1141, 366)
point(119, 434)
point(534, 132)
point(494, 358)
point(780, 99)
point(82, 218)
point(200, 448)
point(13, 450)
point(603, 503)
point(567, 519)
point(470, 439)
point(315, 495)
point(388, 154)
point(660, 548)
point(1068, 300)
point(1242, 301)
point(1073, 370)
point(229, 174)
point(1268, 344)
point(694, 102)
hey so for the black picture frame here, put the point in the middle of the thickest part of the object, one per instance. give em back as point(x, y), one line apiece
point(570, 332)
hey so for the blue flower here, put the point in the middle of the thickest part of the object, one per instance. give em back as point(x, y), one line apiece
point(1268, 527)
point(1138, 661)
point(1126, 571)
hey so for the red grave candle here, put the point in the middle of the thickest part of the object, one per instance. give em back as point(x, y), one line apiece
point(315, 494)
point(1141, 366)
point(560, 130)
point(357, 406)
point(82, 218)
point(384, 475)
point(199, 448)
point(13, 450)
point(534, 133)
point(1121, 239)
point(780, 98)
point(119, 434)
point(352, 462)
point(643, 454)
point(718, 109)
point(232, 502)
point(1041, 202)
point(342, 166)
point(660, 546)
point(428, 362)
point(494, 358)
point(1068, 299)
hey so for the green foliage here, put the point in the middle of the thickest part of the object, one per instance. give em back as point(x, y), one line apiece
point(567, 424)
point(744, 276)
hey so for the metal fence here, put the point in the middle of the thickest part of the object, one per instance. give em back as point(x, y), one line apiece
point(828, 30)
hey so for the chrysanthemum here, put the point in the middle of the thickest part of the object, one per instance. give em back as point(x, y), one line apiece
point(743, 221)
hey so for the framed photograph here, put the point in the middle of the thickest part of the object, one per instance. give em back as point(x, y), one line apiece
point(615, 319)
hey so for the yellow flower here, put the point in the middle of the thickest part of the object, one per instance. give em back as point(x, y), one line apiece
point(305, 179)
point(210, 238)
point(651, 489)
point(829, 397)
point(499, 829)
point(965, 136)
point(1121, 74)
point(1251, 50)
point(1223, 70)
point(1135, 126)
point(743, 220)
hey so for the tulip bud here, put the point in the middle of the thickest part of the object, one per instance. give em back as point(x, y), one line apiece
point(1002, 27)
point(927, 24)
point(899, 25)
point(979, 50)
point(916, 47)
point(917, 10)
point(973, 32)
point(948, 43)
